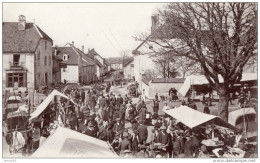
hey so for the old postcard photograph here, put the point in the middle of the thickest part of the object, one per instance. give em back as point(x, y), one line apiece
point(172, 80)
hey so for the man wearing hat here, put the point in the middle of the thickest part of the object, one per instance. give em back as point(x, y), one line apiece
point(206, 109)
point(102, 131)
point(122, 110)
point(188, 151)
point(110, 133)
point(178, 144)
point(124, 144)
point(135, 142)
point(118, 127)
point(90, 130)
point(142, 114)
point(134, 124)
point(163, 137)
point(143, 132)
point(156, 106)
point(172, 138)
point(119, 100)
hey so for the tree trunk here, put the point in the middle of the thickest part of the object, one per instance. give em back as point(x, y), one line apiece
point(223, 103)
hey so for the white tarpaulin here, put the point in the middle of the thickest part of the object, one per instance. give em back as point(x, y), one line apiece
point(201, 79)
point(45, 103)
point(193, 118)
point(68, 143)
point(234, 115)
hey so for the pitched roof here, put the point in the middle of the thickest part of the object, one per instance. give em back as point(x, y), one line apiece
point(98, 63)
point(106, 62)
point(146, 81)
point(22, 41)
point(115, 60)
point(59, 58)
point(72, 55)
point(94, 53)
point(168, 80)
point(127, 61)
point(87, 61)
point(135, 52)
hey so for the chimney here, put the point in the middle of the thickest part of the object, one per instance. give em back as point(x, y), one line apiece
point(82, 48)
point(88, 49)
point(155, 23)
point(72, 42)
point(21, 23)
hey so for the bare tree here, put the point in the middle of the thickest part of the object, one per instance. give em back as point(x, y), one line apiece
point(150, 73)
point(187, 66)
point(221, 37)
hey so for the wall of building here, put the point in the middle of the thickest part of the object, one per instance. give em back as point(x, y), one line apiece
point(145, 88)
point(141, 64)
point(27, 60)
point(41, 67)
point(162, 88)
point(117, 66)
point(88, 74)
point(129, 71)
point(71, 75)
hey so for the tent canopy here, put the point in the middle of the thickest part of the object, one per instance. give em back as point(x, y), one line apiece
point(234, 115)
point(68, 143)
point(201, 80)
point(193, 118)
point(45, 103)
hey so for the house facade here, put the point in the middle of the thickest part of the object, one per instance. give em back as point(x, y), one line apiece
point(89, 70)
point(99, 63)
point(107, 67)
point(27, 56)
point(73, 72)
point(161, 86)
point(129, 68)
point(116, 63)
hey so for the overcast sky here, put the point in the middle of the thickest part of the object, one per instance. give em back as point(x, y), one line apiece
point(107, 27)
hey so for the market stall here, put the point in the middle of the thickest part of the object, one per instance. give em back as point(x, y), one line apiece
point(65, 142)
point(209, 123)
point(45, 103)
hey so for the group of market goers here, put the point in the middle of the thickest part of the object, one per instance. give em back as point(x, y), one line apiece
point(124, 125)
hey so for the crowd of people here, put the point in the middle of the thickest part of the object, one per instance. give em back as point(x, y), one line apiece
point(99, 113)
point(124, 125)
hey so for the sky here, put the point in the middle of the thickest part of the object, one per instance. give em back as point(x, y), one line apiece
point(107, 27)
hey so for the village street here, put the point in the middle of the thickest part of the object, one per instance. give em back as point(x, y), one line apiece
point(134, 80)
point(149, 103)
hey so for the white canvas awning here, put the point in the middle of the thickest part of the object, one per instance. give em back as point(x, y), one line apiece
point(193, 118)
point(201, 79)
point(68, 143)
point(234, 115)
point(45, 103)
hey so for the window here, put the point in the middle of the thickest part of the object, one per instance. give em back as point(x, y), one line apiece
point(16, 59)
point(132, 65)
point(64, 69)
point(45, 45)
point(16, 78)
point(49, 60)
point(65, 57)
point(45, 60)
point(38, 55)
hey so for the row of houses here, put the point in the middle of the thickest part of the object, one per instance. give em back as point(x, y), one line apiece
point(30, 60)
point(124, 64)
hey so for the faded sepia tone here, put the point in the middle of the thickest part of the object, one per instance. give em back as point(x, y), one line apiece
point(130, 80)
